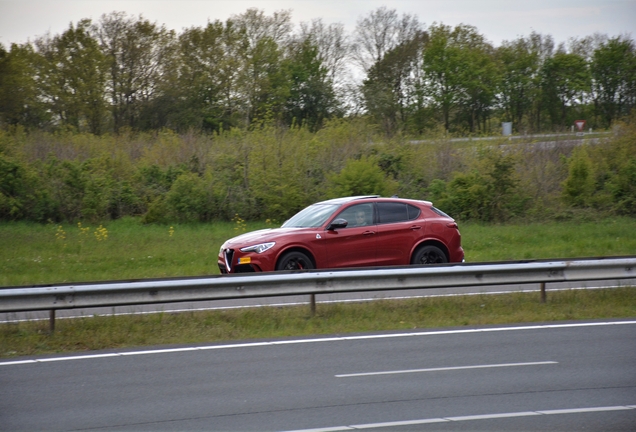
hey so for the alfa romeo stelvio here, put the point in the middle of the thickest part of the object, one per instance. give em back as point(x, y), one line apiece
point(358, 231)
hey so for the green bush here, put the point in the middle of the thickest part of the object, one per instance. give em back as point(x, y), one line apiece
point(623, 188)
point(157, 212)
point(188, 199)
point(23, 193)
point(579, 187)
point(489, 192)
point(361, 177)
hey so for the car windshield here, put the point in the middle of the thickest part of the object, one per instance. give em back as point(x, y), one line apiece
point(312, 217)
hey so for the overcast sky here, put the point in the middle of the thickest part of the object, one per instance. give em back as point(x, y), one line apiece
point(497, 20)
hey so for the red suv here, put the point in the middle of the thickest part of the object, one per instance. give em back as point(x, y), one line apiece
point(348, 232)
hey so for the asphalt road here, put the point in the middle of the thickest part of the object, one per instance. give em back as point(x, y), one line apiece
point(561, 376)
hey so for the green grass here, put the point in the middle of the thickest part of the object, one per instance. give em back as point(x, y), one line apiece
point(40, 254)
point(609, 237)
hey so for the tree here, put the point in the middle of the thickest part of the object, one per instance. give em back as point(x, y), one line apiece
point(71, 77)
point(480, 80)
point(458, 73)
point(390, 88)
point(137, 52)
point(19, 102)
point(543, 47)
point(565, 82)
point(379, 32)
point(311, 97)
point(519, 66)
point(333, 48)
point(613, 71)
point(202, 94)
point(442, 64)
point(263, 84)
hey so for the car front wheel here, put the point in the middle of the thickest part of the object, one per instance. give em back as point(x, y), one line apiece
point(429, 255)
point(295, 261)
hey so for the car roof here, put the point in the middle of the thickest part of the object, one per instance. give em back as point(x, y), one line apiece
point(344, 200)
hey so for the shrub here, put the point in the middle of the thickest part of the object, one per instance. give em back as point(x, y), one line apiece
point(489, 192)
point(361, 177)
point(23, 193)
point(579, 186)
point(623, 187)
point(188, 200)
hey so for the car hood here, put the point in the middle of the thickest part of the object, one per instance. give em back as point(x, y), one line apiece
point(261, 236)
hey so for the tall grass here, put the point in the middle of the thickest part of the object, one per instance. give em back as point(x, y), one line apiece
point(127, 249)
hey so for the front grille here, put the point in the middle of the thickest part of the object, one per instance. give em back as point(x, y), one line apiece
point(228, 254)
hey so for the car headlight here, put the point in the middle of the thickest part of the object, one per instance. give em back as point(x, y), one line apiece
point(259, 248)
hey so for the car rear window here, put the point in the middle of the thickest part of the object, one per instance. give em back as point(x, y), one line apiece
point(439, 212)
point(397, 212)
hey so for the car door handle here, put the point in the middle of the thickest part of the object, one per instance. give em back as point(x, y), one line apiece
point(366, 233)
point(415, 227)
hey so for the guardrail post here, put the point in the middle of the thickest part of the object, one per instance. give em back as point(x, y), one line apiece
point(52, 320)
point(313, 304)
point(543, 294)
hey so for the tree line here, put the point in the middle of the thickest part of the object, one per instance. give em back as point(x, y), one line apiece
point(124, 73)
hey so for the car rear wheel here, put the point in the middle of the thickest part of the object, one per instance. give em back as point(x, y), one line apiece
point(429, 255)
point(294, 261)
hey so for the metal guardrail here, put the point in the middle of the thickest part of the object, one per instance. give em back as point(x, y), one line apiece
point(554, 137)
point(85, 295)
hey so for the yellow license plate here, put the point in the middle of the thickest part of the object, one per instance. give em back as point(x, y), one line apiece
point(245, 260)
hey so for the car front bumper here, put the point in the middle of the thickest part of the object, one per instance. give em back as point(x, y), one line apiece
point(235, 261)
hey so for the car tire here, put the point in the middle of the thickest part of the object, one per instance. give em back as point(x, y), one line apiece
point(295, 260)
point(429, 255)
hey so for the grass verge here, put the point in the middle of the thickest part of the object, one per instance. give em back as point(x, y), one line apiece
point(126, 249)
point(121, 332)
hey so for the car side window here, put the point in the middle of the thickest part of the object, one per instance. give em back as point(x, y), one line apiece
point(357, 215)
point(414, 212)
point(397, 212)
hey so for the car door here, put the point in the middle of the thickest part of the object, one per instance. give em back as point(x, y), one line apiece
point(398, 229)
point(354, 245)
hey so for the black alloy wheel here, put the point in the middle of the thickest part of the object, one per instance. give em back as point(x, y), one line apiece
point(429, 255)
point(295, 261)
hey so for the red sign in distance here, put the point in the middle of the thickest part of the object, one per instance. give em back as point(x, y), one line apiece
point(580, 124)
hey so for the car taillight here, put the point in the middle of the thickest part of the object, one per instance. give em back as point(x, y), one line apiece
point(452, 225)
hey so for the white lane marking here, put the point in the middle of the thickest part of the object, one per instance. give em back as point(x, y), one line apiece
point(318, 340)
point(585, 410)
point(469, 418)
point(85, 357)
point(442, 369)
point(493, 416)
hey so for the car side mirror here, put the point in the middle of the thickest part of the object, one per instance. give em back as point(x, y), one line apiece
point(338, 223)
